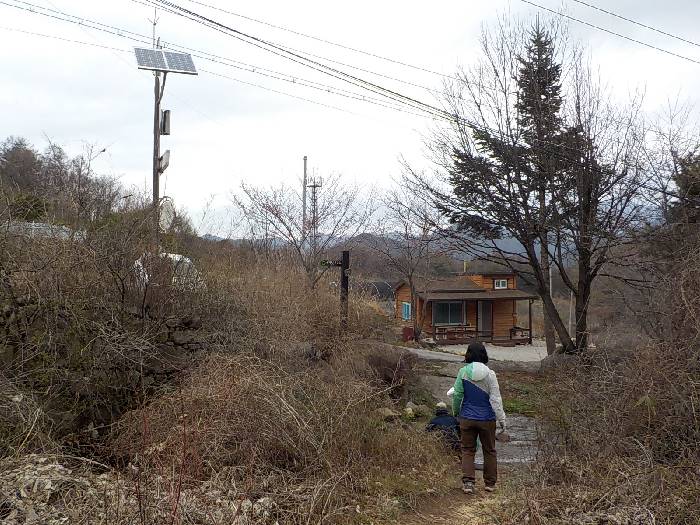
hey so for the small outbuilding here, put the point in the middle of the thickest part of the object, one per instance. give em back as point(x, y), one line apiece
point(466, 307)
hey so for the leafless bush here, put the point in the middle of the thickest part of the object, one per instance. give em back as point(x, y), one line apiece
point(623, 446)
point(23, 424)
point(78, 333)
point(307, 439)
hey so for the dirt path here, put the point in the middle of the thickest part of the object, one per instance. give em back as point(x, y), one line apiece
point(456, 508)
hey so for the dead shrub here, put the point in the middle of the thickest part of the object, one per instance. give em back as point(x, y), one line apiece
point(24, 426)
point(393, 367)
point(306, 439)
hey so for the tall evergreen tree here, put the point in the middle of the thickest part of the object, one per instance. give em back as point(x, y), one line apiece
point(502, 185)
point(539, 104)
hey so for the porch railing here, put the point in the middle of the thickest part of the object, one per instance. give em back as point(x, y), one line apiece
point(443, 333)
point(519, 333)
point(460, 332)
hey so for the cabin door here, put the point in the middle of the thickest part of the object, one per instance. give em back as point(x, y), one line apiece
point(484, 318)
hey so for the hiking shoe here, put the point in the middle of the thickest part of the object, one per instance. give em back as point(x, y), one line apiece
point(468, 487)
point(490, 488)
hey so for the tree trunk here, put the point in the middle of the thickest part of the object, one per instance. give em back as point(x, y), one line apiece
point(544, 262)
point(583, 295)
point(557, 324)
point(586, 218)
point(547, 303)
point(582, 299)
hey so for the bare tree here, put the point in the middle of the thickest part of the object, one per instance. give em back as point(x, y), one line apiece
point(599, 203)
point(408, 239)
point(274, 217)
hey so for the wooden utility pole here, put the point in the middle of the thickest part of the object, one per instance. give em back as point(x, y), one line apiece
point(161, 62)
point(344, 289)
point(344, 265)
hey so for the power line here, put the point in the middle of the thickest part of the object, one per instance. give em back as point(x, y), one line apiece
point(328, 89)
point(283, 52)
point(344, 64)
point(63, 39)
point(564, 15)
point(143, 39)
point(118, 32)
point(216, 25)
point(106, 29)
point(633, 22)
point(276, 91)
point(323, 40)
point(407, 101)
point(286, 77)
point(454, 118)
point(93, 44)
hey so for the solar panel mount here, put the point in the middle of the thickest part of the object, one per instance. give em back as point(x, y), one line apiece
point(166, 61)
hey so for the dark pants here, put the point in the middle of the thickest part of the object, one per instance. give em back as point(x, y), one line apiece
point(486, 432)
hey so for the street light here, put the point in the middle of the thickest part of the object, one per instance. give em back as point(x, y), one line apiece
point(161, 61)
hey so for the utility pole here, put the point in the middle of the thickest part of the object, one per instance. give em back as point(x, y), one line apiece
point(158, 96)
point(303, 207)
point(344, 289)
point(161, 61)
point(344, 265)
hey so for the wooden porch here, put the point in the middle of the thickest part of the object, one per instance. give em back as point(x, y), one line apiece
point(460, 334)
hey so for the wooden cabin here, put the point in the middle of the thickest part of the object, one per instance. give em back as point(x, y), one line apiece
point(464, 308)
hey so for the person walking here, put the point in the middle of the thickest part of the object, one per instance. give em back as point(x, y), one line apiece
point(477, 401)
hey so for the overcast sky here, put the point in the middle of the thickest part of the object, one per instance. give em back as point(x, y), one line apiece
point(225, 131)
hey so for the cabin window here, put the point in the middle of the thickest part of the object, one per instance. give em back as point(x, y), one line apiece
point(406, 311)
point(500, 284)
point(447, 313)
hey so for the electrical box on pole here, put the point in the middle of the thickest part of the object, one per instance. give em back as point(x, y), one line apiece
point(164, 161)
point(165, 122)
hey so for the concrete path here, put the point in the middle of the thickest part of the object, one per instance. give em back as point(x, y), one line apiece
point(521, 353)
point(495, 364)
point(436, 355)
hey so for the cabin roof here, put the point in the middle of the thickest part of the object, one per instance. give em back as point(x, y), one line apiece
point(480, 294)
point(447, 284)
point(456, 283)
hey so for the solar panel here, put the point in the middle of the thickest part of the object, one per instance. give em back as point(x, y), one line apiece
point(159, 60)
point(150, 59)
point(180, 62)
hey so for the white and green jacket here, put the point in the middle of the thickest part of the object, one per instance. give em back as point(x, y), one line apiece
point(476, 394)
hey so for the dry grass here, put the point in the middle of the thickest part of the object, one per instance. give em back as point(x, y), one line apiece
point(305, 437)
